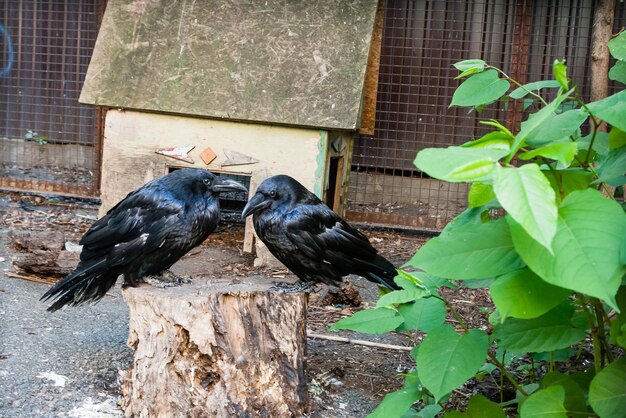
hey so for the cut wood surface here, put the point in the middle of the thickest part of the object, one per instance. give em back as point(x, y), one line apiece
point(218, 348)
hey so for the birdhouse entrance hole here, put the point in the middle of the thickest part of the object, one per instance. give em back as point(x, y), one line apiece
point(335, 179)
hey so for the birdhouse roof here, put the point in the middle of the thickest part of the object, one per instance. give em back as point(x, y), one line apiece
point(282, 62)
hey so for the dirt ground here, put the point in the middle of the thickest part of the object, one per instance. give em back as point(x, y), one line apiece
point(345, 380)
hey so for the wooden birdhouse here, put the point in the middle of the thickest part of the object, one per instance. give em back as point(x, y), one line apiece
point(247, 89)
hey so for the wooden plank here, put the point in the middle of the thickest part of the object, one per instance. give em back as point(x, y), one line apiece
point(295, 63)
point(368, 118)
point(420, 223)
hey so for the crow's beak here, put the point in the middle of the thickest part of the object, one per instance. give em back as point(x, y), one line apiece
point(255, 204)
point(227, 185)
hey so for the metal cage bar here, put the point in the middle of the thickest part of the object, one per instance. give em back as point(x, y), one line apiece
point(421, 41)
point(48, 141)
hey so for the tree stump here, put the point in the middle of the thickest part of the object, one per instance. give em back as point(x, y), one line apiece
point(216, 349)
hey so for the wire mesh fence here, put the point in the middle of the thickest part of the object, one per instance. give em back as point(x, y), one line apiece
point(48, 141)
point(421, 41)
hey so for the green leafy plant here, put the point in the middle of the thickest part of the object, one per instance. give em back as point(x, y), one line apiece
point(544, 233)
point(34, 136)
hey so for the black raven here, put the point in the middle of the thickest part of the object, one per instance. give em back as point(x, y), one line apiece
point(310, 239)
point(144, 234)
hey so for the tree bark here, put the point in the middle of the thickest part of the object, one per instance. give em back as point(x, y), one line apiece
point(42, 253)
point(602, 32)
point(216, 350)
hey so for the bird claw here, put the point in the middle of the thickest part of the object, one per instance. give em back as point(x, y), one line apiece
point(297, 287)
point(167, 279)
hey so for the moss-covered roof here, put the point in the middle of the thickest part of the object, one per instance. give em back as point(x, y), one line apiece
point(292, 62)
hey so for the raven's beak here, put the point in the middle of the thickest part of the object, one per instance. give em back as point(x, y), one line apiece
point(227, 185)
point(255, 204)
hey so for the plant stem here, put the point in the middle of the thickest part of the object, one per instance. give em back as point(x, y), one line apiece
point(502, 381)
point(508, 375)
point(594, 121)
point(597, 354)
point(509, 402)
point(601, 315)
point(595, 173)
point(454, 313)
point(519, 85)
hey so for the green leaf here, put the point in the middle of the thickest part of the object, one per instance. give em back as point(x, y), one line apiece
point(395, 404)
point(545, 403)
point(425, 280)
point(493, 140)
point(477, 283)
point(499, 126)
point(612, 169)
point(590, 230)
point(401, 296)
point(458, 164)
point(525, 193)
point(574, 395)
point(475, 64)
point(482, 88)
point(470, 252)
point(617, 46)
point(600, 144)
point(618, 72)
point(563, 152)
point(607, 392)
point(522, 294)
point(557, 355)
point(617, 139)
point(445, 359)
point(371, 321)
point(560, 73)
point(425, 314)
point(551, 331)
point(479, 407)
point(429, 411)
point(618, 323)
point(611, 109)
point(528, 102)
point(535, 122)
point(467, 72)
point(557, 127)
point(520, 92)
point(479, 194)
point(470, 216)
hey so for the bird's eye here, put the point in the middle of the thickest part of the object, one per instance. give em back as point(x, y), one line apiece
point(206, 181)
point(273, 193)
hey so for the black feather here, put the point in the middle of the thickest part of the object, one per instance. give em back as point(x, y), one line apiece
point(144, 234)
point(311, 240)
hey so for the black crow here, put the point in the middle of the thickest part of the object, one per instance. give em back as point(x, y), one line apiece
point(310, 239)
point(144, 234)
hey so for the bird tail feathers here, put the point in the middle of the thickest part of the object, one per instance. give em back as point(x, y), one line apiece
point(87, 284)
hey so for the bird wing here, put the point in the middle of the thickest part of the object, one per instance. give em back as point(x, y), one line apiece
point(321, 234)
point(138, 224)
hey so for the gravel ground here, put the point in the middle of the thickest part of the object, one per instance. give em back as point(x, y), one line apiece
point(58, 365)
point(66, 364)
